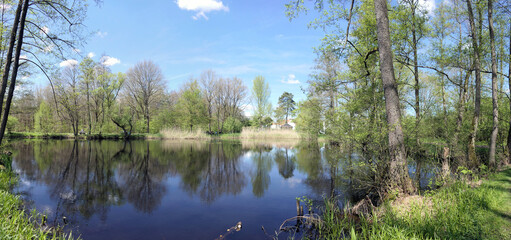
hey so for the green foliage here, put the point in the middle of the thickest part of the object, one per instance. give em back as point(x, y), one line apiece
point(192, 107)
point(232, 125)
point(123, 117)
point(12, 122)
point(5, 162)
point(261, 99)
point(43, 119)
point(286, 106)
point(165, 118)
point(308, 121)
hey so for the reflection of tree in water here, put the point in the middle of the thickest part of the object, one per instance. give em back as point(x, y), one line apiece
point(141, 177)
point(308, 159)
point(78, 174)
point(209, 170)
point(329, 170)
point(263, 161)
point(99, 190)
point(286, 162)
point(222, 175)
point(81, 176)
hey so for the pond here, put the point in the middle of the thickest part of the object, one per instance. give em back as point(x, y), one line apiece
point(179, 189)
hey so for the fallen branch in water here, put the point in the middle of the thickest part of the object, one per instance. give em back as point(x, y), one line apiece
point(236, 228)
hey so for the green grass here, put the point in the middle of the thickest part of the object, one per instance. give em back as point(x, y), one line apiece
point(16, 223)
point(457, 211)
point(230, 136)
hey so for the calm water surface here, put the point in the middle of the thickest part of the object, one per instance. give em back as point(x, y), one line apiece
point(177, 189)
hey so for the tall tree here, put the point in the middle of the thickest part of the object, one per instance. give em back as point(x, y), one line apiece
point(191, 105)
point(472, 158)
point(494, 93)
point(286, 105)
point(87, 76)
point(398, 169)
point(30, 36)
point(208, 79)
point(68, 96)
point(144, 86)
point(412, 19)
point(261, 98)
point(509, 87)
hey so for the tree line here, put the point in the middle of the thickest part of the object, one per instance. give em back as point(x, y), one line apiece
point(87, 98)
point(397, 80)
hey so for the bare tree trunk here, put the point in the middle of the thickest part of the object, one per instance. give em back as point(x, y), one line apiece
point(509, 85)
point(19, 44)
point(398, 169)
point(461, 107)
point(88, 109)
point(494, 94)
point(147, 118)
point(446, 171)
point(416, 77)
point(472, 158)
point(8, 60)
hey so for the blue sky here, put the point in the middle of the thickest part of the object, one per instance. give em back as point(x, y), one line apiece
point(185, 37)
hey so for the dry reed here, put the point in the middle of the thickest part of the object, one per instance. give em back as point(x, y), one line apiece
point(174, 133)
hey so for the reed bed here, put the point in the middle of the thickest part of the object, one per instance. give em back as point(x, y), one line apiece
point(175, 133)
point(264, 134)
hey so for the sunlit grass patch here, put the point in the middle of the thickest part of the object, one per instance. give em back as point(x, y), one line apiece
point(458, 211)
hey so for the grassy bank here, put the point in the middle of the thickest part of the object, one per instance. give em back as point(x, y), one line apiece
point(457, 211)
point(15, 222)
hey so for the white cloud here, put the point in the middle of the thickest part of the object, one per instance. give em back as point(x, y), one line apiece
point(101, 34)
point(428, 5)
point(91, 55)
point(202, 7)
point(199, 15)
point(68, 63)
point(291, 79)
point(248, 110)
point(109, 61)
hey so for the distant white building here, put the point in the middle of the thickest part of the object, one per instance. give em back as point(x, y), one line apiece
point(283, 125)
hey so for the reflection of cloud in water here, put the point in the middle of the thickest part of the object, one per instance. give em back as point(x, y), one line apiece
point(25, 182)
point(70, 196)
point(292, 182)
point(248, 154)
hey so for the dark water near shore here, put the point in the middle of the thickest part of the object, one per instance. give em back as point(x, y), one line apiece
point(180, 189)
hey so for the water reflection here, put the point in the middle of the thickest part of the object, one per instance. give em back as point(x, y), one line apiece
point(115, 185)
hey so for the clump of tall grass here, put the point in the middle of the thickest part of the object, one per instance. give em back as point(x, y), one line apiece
point(175, 133)
point(254, 133)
